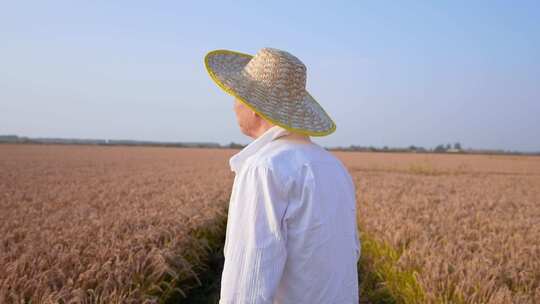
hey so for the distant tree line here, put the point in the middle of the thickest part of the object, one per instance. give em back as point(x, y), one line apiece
point(442, 148)
point(104, 142)
point(455, 148)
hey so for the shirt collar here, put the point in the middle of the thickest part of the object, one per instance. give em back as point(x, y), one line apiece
point(269, 135)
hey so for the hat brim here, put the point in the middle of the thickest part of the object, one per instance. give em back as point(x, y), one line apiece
point(304, 116)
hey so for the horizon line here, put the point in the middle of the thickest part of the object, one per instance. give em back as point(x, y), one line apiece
point(14, 138)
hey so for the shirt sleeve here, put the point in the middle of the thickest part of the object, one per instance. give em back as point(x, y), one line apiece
point(257, 252)
point(357, 240)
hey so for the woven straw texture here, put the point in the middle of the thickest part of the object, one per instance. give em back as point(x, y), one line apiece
point(273, 84)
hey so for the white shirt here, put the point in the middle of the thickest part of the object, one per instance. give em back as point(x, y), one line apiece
point(291, 231)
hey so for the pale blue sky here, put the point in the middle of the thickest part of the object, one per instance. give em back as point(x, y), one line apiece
point(417, 72)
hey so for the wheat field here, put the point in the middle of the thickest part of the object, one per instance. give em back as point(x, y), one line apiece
point(93, 224)
point(468, 224)
point(103, 224)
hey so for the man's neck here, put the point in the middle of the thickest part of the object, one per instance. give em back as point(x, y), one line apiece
point(260, 131)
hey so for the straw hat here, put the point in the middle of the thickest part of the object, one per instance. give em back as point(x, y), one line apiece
point(273, 84)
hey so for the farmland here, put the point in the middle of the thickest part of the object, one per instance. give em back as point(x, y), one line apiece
point(469, 225)
point(91, 224)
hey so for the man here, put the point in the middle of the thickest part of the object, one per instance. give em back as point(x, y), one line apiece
point(291, 231)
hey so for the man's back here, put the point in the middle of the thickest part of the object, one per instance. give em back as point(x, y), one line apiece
point(291, 235)
point(321, 226)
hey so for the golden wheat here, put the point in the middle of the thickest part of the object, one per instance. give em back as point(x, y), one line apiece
point(103, 224)
point(85, 224)
point(469, 224)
